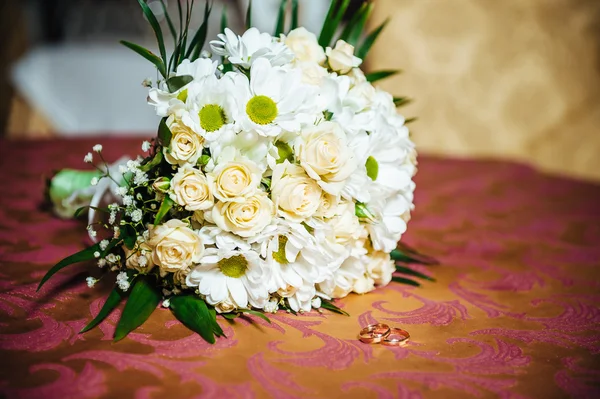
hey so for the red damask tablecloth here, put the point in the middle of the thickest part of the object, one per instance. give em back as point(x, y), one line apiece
point(515, 311)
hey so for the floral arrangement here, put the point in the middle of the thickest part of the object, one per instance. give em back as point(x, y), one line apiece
point(280, 178)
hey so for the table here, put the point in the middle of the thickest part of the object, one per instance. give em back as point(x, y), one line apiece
point(514, 312)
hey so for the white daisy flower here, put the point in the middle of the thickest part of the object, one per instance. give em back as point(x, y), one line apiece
point(234, 275)
point(210, 107)
point(167, 103)
point(273, 100)
point(252, 45)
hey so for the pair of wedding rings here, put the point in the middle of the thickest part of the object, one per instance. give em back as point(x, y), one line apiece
point(383, 334)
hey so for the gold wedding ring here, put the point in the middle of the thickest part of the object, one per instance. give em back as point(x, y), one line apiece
point(396, 337)
point(374, 333)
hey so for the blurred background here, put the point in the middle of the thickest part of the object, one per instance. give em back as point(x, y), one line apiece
point(509, 79)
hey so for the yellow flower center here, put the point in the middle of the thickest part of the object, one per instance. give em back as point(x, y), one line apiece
point(261, 110)
point(212, 117)
point(235, 266)
point(279, 256)
point(182, 95)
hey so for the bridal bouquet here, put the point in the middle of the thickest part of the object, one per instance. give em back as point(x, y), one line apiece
point(280, 178)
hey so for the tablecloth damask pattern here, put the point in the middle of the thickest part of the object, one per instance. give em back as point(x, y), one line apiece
point(514, 313)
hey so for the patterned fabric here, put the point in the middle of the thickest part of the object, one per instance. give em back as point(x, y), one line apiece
point(517, 79)
point(514, 314)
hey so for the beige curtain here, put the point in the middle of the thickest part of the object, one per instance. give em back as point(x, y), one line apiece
point(517, 79)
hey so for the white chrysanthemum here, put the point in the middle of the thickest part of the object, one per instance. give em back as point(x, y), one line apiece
point(273, 100)
point(391, 216)
point(210, 108)
point(231, 275)
point(252, 45)
point(166, 102)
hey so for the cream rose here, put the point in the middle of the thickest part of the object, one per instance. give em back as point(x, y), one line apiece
point(324, 154)
point(305, 46)
point(380, 267)
point(234, 181)
point(345, 224)
point(190, 189)
point(341, 59)
point(175, 246)
point(312, 73)
point(244, 218)
point(328, 206)
point(139, 258)
point(296, 195)
point(185, 146)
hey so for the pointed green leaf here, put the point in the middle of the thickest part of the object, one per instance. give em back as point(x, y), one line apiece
point(230, 316)
point(410, 272)
point(165, 207)
point(194, 314)
point(156, 27)
point(199, 39)
point(366, 45)
point(169, 21)
point(255, 313)
point(216, 327)
point(155, 161)
point(410, 120)
point(249, 15)
point(280, 18)
point(332, 21)
point(403, 280)
point(285, 151)
point(164, 133)
point(406, 254)
point(147, 54)
point(80, 210)
point(224, 19)
point(114, 298)
point(332, 308)
point(294, 15)
point(128, 235)
point(372, 168)
point(175, 83)
point(143, 300)
point(401, 101)
point(378, 75)
point(355, 26)
point(81, 256)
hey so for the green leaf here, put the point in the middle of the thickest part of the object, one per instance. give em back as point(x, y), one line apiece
point(410, 120)
point(375, 76)
point(216, 327)
point(157, 30)
point(143, 300)
point(406, 254)
point(285, 151)
point(332, 21)
point(401, 101)
point(128, 235)
point(175, 83)
point(230, 316)
point(410, 272)
point(155, 161)
point(224, 19)
point(147, 54)
point(114, 298)
point(403, 280)
point(355, 26)
point(332, 308)
point(200, 37)
point(249, 15)
point(164, 133)
point(81, 256)
point(281, 18)
point(165, 207)
point(194, 314)
point(372, 168)
point(255, 313)
point(294, 15)
point(80, 210)
point(169, 22)
point(366, 45)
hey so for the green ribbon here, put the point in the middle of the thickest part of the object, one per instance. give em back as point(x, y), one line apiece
point(64, 184)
